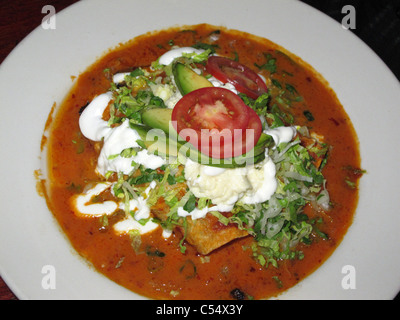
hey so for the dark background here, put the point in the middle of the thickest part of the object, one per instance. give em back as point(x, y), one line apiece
point(377, 24)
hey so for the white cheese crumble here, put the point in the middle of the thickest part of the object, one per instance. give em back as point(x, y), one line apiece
point(250, 184)
point(169, 93)
point(224, 187)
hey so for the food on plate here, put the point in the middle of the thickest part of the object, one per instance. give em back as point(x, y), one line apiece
point(200, 162)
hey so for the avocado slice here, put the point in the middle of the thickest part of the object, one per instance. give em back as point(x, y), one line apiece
point(265, 141)
point(157, 142)
point(159, 118)
point(257, 154)
point(187, 80)
point(236, 162)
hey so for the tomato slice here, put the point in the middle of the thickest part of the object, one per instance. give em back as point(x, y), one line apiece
point(241, 77)
point(215, 121)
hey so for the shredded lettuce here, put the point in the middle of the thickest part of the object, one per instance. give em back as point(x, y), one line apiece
point(279, 224)
point(198, 57)
point(132, 96)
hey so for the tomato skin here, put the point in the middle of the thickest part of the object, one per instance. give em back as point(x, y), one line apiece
point(253, 132)
point(240, 76)
point(215, 121)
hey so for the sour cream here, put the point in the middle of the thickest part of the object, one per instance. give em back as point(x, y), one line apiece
point(129, 224)
point(91, 120)
point(169, 56)
point(263, 183)
point(201, 213)
point(141, 211)
point(116, 140)
point(281, 134)
point(83, 208)
point(120, 77)
point(121, 138)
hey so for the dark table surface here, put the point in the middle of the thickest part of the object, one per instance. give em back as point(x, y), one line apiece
point(377, 24)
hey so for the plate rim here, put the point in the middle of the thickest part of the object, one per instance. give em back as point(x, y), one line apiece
point(38, 33)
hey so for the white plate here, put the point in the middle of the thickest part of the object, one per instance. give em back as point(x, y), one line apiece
point(38, 71)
